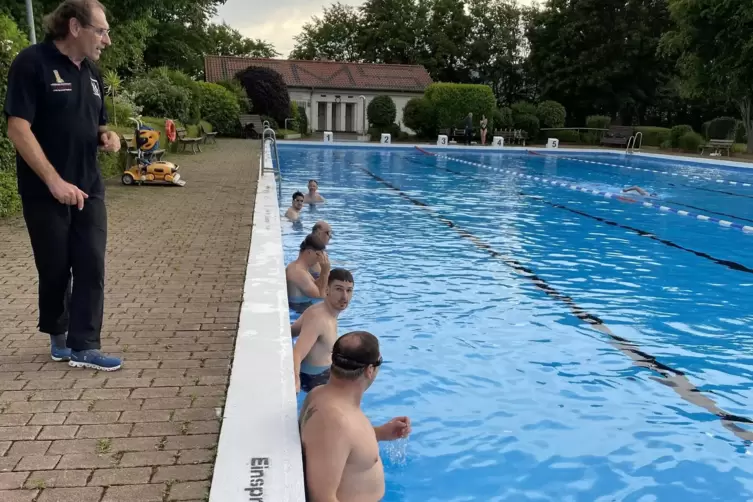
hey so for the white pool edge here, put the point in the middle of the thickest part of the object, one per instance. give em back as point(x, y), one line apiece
point(539, 149)
point(259, 451)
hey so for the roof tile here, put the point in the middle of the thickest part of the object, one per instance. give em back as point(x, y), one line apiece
point(326, 74)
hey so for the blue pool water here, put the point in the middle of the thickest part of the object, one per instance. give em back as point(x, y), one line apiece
point(511, 395)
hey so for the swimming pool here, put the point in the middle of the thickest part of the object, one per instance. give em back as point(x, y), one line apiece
point(548, 344)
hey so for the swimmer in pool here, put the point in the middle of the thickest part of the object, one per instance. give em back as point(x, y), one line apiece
point(313, 196)
point(294, 211)
point(302, 288)
point(639, 190)
point(316, 330)
point(323, 230)
point(339, 444)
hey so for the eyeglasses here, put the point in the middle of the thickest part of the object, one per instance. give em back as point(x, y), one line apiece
point(99, 31)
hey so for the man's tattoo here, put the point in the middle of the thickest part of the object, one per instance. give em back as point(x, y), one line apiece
point(307, 413)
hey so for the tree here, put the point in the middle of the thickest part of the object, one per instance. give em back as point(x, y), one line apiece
point(600, 56)
point(333, 36)
point(713, 43)
point(267, 91)
point(446, 36)
point(393, 31)
point(222, 40)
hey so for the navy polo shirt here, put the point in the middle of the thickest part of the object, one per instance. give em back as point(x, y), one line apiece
point(65, 106)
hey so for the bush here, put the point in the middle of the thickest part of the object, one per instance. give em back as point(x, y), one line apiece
point(419, 115)
point(303, 120)
point(267, 91)
point(690, 141)
point(501, 119)
point(722, 128)
point(272, 122)
point(183, 81)
point(653, 136)
point(740, 135)
point(220, 108)
point(452, 102)
point(676, 133)
point(667, 144)
point(123, 109)
point(10, 202)
point(234, 86)
point(159, 97)
point(522, 108)
point(551, 114)
point(598, 121)
point(529, 123)
point(381, 111)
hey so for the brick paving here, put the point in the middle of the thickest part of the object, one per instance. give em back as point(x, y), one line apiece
point(175, 271)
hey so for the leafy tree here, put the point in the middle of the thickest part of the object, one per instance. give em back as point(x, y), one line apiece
point(392, 31)
point(381, 111)
point(267, 91)
point(712, 41)
point(419, 115)
point(333, 36)
point(551, 114)
point(222, 40)
point(600, 56)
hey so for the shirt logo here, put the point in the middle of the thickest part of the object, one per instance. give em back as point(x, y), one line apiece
point(95, 87)
point(60, 85)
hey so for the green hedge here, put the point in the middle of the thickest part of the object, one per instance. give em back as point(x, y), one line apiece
point(381, 111)
point(676, 133)
point(452, 102)
point(551, 114)
point(220, 107)
point(690, 141)
point(564, 136)
point(653, 136)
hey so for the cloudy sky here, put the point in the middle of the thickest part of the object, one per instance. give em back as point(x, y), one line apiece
point(276, 21)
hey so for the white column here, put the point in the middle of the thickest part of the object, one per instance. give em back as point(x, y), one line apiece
point(313, 115)
point(330, 125)
point(343, 106)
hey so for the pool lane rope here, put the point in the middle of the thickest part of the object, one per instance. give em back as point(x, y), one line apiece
point(608, 195)
point(689, 176)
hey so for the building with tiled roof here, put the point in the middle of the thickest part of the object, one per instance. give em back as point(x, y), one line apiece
point(334, 94)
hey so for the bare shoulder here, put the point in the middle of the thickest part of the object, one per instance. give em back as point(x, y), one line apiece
point(319, 411)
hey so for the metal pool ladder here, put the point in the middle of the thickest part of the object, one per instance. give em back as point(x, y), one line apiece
point(269, 133)
point(634, 140)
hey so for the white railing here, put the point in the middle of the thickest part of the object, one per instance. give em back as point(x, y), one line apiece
point(634, 143)
point(269, 133)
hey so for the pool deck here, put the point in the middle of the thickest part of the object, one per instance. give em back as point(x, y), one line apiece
point(176, 273)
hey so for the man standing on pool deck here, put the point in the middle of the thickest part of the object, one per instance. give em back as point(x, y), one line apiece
point(313, 196)
point(302, 288)
point(316, 330)
point(340, 447)
point(323, 230)
point(56, 120)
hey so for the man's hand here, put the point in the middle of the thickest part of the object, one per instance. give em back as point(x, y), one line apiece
point(297, 383)
point(324, 260)
point(65, 193)
point(110, 141)
point(397, 428)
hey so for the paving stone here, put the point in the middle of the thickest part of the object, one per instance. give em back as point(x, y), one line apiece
point(57, 478)
point(87, 494)
point(141, 493)
point(121, 476)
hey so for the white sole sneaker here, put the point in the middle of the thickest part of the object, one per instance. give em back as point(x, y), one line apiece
point(74, 364)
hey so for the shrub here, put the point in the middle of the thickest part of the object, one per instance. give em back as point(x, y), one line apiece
point(159, 97)
point(690, 141)
point(501, 119)
point(183, 81)
point(419, 115)
point(529, 123)
point(740, 135)
point(676, 133)
point(234, 86)
point(220, 108)
point(381, 111)
point(14, 40)
point(598, 121)
point(653, 136)
point(392, 129)
point(522, 108)
point(272, 122)
point(267, 91)
point(551, 114)
point(452, 102)
point(303, 120)
point(666, 145)
point(722, 128)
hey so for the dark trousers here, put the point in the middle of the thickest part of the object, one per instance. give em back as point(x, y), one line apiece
point(468, 135)
point(69, 252)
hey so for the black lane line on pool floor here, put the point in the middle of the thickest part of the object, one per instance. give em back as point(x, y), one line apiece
point(643, 233)
point(674, 379)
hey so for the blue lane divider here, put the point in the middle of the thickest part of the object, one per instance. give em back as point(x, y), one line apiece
point(608, 195)
point(689, 176)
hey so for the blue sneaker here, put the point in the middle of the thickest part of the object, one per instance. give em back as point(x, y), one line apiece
point(94, 359)
point(60, 353)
